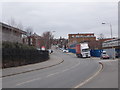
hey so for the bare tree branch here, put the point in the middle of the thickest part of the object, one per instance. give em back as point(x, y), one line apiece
point(20, 26)
point(29, 31)
point(48, 39)
point(12, 22)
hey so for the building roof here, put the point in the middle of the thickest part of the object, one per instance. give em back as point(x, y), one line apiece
point(13, 28)
point(82, 34)
point(111, 43)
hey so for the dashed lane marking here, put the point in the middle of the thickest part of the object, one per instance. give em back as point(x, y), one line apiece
point(84, 82)
point(28, 81)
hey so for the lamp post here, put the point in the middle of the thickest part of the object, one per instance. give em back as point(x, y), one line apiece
point(110, 28)
point(111, 37)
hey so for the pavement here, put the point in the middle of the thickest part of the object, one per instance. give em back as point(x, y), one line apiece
point(54, 60)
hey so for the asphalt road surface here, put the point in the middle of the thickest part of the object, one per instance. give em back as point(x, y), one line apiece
point(68, 74)
point(107, 78)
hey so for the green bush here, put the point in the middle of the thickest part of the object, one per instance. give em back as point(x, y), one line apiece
point(17, 54)
point(15, 45)
point(17, 57)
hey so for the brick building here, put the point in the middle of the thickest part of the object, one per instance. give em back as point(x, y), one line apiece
point(61, 42)
point(33, 40)
point(77, 38)
point(97, 44)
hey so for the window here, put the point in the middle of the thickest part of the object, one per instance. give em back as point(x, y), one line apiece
point(85, 50)
point(77, 36)
point(72, 36)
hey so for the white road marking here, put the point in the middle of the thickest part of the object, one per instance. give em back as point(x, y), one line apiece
point(47, 75)
point(63, 70)
point(28, 81)
point(52, 74)
point(75, 65)
point(84, 82)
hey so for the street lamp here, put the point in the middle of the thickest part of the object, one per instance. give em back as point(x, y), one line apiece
point(111, 37)
point(110, 27)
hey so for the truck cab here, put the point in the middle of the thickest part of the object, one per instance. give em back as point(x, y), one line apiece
point(85, 52)
point(82, 50)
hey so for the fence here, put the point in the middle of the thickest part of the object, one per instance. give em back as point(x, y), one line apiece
point(110, 52)
point(18, 57)
point(72, 50)
point(96, 53)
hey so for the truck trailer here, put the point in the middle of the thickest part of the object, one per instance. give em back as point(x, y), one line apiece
point(82, 50)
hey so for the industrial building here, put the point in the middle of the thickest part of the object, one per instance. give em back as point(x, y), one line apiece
point(112, 47)
point(77, 38)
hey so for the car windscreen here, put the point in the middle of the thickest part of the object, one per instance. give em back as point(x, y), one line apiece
point(104, 53)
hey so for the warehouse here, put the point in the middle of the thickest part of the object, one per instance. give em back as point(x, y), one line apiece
point(112, 47)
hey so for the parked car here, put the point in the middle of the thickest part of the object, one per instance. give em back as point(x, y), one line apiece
point(60, 48)
point(104, 55)
point(65, 51)
point(50, 51)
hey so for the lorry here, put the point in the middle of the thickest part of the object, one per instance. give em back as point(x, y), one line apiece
point(82, 50)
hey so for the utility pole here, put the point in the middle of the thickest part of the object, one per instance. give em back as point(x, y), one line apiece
point(110, 28)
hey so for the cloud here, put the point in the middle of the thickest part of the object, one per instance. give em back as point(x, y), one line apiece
point(64, 18)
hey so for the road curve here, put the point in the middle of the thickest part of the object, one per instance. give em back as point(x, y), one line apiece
point(68, 74)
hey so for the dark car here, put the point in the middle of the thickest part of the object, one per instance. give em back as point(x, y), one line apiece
point(50, 51)
point(104, 55)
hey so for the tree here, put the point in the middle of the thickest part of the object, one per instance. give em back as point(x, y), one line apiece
point(47, 38)
point(20, 26)
point(29, 31)
point(12, 22)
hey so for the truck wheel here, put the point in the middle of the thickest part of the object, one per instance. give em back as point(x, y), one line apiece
point(80, 55)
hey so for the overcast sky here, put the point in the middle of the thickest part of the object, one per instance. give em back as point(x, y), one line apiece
point(64, 17)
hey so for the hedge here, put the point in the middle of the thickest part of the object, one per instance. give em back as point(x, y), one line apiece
point(18, 57)
point(15, 54)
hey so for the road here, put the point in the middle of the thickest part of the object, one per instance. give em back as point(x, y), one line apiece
point(68, 74)
point(108, 78)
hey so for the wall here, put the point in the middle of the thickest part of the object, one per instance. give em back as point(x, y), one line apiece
point(80, 38)
point(72, 50)
point(96, 53)
point(111, 52)
point(8, 35)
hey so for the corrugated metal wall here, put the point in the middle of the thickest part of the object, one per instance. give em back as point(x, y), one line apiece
point(96, 53)
point(110, 52)
point(72, 50)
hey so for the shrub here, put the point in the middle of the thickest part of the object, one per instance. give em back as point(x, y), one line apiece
point(14, 45)
point(16, 54)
